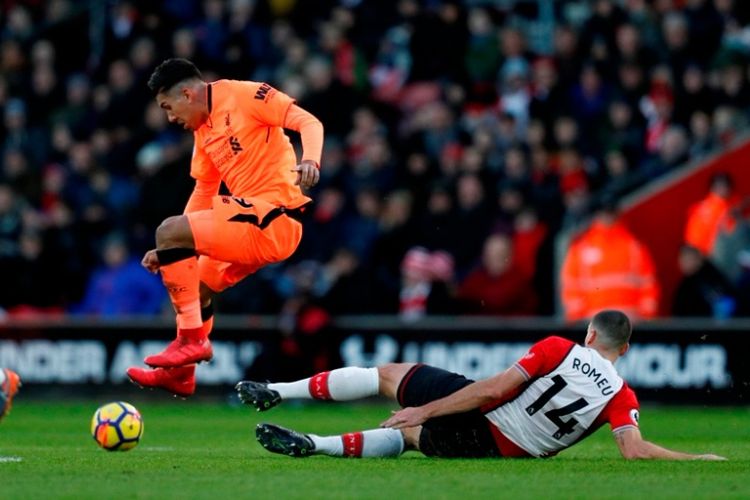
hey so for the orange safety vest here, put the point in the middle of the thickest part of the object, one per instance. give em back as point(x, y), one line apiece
point(704, 220)
point(606, 267)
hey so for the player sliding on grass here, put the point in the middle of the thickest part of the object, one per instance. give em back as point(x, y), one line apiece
point(219, 240)
point(9, 384)
point(554, 396)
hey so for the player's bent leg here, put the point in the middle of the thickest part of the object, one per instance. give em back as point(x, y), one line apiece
point(411, 437)
point(180, 274)
point(174, 232)
point(179, 381)
point(390, 376)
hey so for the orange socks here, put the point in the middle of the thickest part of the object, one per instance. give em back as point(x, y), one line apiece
point(179, 272)
point(199, 334)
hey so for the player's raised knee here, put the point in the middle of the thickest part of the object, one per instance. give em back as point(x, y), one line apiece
point(174, 232)
point(390, 376)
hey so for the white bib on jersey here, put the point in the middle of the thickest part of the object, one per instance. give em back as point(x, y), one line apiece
point(557, 408)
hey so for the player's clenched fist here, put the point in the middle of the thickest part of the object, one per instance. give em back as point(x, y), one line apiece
point(307, 174)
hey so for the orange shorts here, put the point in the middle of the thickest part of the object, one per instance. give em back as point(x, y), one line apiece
point(239, 236)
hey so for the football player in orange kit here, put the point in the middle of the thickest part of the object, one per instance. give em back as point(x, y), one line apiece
point(10, 382)
point(219, 240)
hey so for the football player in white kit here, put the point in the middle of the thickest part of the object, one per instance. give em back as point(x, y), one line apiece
point(554, 396)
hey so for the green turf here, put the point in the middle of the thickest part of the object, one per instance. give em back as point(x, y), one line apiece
point(207, 450)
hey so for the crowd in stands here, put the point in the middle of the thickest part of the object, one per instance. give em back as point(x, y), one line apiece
point(460, 140)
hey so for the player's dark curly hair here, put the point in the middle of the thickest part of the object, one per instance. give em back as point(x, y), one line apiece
point(170, 73)
point(614, 326)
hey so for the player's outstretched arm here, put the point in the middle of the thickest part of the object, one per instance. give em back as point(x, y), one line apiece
point(470, 397)
point(633, 446)
point(311, 135)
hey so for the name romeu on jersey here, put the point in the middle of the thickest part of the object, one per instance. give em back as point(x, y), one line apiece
point(570, 392)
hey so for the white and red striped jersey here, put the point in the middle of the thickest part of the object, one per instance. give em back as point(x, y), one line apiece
point(570, 392)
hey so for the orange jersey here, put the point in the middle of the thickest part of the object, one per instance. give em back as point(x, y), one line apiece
point(244, 145)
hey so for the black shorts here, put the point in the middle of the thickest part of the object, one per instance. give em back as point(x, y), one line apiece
point(461, 435)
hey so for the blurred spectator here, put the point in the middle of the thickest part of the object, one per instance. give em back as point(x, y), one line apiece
point(671, 153)
point(677, 53)
point(438, 223)
point(619, 178)
point(438, 42)
point(472, 221)
point(364, 226)
point(657, 107)
point(120, 285)
point(327, 225)
point(425, 280)
point(703, 290)
point(694, 95)
point(497, 286)
point(702, 139)
point(397, 235)
point(482, 51)
point(622, 132)
point(730, 249)
point(706, 217)
point(743, 284)
point(606, 267)
point(305, 326)
point(588, 101)
point(529, 233)
point(547, 97)
point(344, 284)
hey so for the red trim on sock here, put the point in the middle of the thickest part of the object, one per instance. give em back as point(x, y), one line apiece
point(353, 443)
point(318, 386)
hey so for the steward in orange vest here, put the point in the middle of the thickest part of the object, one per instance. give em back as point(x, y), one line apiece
point(606, 267)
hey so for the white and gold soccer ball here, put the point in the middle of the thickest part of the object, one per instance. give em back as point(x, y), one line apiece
point(117, 426)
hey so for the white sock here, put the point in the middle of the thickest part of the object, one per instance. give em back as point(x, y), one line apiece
point(328, 445)
point(373, 443)
point(2, 376)
point(342, 384)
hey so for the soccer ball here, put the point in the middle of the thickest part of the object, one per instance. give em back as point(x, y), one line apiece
point(117, 426)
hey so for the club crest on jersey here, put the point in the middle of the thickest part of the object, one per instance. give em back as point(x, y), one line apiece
point(227, 120)
point(634, 416)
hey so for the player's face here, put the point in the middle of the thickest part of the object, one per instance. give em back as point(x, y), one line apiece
point(180, 109)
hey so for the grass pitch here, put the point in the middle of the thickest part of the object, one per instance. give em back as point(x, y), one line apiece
point(208, 450)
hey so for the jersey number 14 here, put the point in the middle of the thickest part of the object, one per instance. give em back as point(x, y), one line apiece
point(563, 426)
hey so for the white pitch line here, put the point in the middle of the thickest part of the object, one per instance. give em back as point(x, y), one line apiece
point(7, 460)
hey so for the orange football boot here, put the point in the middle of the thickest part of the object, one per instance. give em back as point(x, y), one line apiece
point(190, 347)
